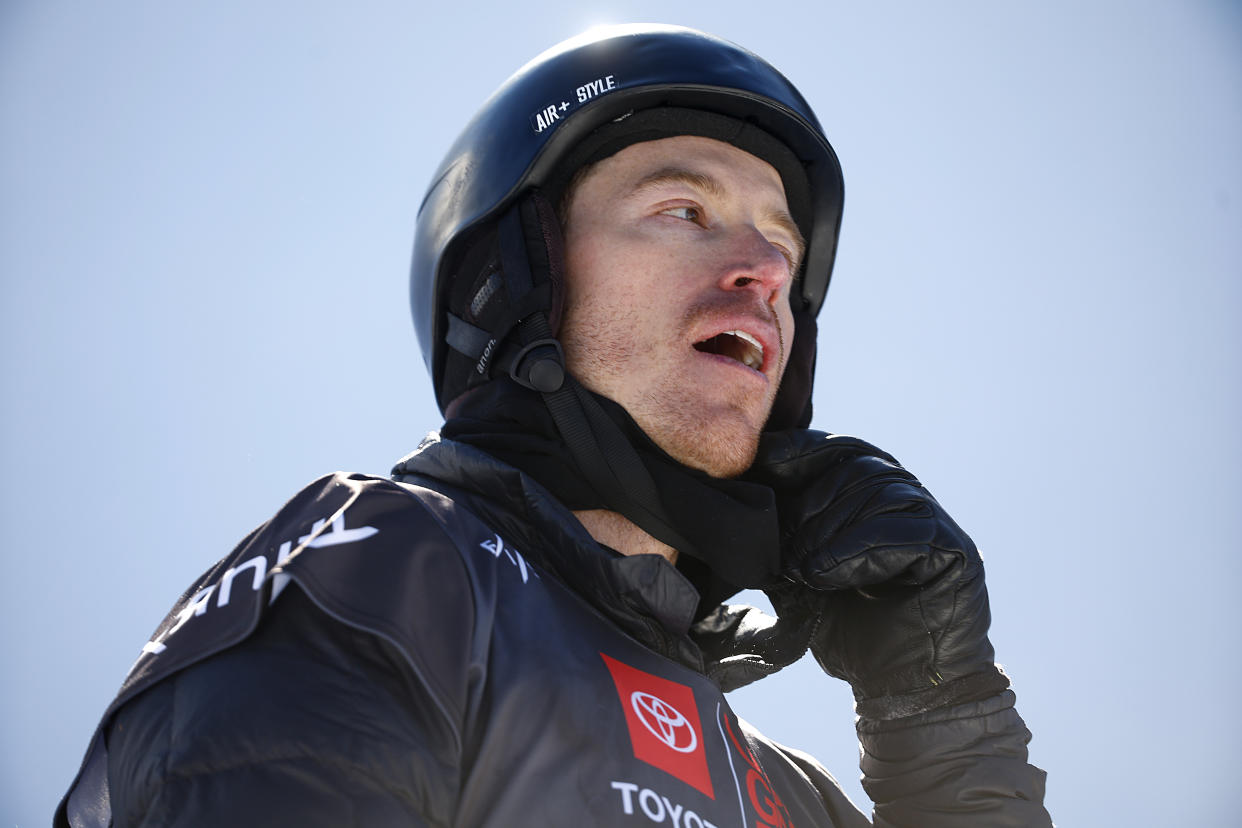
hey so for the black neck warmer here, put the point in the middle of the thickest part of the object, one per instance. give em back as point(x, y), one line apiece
point(730, 525)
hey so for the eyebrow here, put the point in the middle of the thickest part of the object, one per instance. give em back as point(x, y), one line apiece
point(713, 188)
point(679, 175)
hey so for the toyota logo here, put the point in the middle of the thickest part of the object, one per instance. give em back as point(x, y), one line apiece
point(665, 722)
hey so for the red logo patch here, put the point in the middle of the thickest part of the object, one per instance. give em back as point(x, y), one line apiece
point(664, 724)
point(771, 811)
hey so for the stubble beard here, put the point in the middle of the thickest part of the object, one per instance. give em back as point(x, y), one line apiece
point(716, 434)
point(719, 440)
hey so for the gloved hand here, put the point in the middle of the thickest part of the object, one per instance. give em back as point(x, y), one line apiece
point(897, 585)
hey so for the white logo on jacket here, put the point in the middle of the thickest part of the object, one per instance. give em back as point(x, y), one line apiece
point(497, 548)
point(664, 721)
point(657, 807)
point(223, 590)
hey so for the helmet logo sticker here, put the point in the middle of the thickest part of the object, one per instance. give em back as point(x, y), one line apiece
point(550, 114)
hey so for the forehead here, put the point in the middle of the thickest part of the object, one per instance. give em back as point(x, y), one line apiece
point(727, 171)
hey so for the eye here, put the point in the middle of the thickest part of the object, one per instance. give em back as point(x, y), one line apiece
point(685, 212)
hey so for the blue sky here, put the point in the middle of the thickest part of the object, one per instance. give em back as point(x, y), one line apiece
point(206, 213)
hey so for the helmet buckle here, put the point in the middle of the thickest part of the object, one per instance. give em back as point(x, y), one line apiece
point(539, 366)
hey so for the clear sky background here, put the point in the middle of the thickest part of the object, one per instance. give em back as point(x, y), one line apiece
point(206, 212)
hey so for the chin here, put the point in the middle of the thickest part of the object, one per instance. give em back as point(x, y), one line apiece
point(715, 453)
point(717, 437)
point(730, 464)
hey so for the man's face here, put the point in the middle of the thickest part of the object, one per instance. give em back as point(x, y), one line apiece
point(680, 254)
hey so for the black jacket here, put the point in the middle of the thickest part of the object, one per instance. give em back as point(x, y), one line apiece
point(454, 649)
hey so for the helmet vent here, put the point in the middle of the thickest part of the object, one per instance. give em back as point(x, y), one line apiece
point(484, 294)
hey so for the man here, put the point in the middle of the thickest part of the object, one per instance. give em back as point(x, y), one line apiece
point(615, 281)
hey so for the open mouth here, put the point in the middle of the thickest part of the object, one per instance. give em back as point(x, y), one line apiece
point(736, 345)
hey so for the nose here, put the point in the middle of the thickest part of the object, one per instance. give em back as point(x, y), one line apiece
point(758, 266)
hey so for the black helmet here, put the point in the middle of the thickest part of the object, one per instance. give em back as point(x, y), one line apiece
point(578, 102)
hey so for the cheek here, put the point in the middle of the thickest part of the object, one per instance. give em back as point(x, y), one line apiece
point(578, 274)
point(785, 322)
point(594, 266)
point(615, 276)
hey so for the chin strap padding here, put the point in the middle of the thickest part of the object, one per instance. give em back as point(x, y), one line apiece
point(518, 340)
point(538, 364)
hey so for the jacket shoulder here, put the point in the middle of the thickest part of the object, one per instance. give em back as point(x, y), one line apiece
point(386, 558)
point(354, 543)
point(307, 721)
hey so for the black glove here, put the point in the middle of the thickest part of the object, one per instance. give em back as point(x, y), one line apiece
point(742, 644)
point(897, 586)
